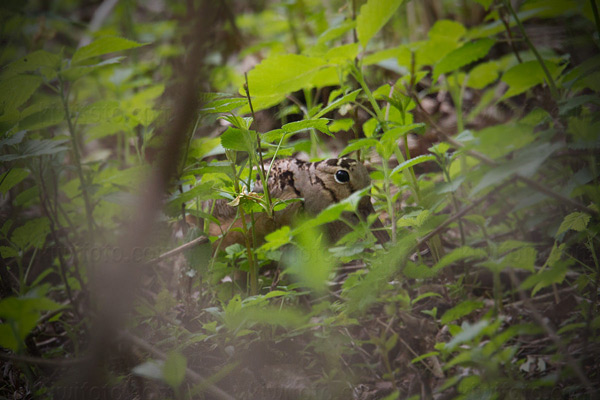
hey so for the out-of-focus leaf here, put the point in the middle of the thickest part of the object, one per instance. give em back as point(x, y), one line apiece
point(104, 45)
point(374, 14)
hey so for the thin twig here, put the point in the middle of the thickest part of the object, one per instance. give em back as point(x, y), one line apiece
point(191, 374)
point(180, 249)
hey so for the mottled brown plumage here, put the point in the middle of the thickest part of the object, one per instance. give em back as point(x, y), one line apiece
point(320, 184)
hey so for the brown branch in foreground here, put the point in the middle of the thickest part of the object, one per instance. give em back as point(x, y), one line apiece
point(115, 284)
point(485, 159)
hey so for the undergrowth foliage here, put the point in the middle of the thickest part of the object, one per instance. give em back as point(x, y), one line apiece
point(479, 124)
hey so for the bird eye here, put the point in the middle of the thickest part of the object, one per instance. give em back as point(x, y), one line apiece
point(342, 176)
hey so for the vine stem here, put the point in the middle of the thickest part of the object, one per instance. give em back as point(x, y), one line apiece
point(84, 191)
point(596, 16)
point(553, 88)
point(261, 169)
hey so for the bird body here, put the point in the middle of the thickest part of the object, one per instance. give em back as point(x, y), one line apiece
point(319, 184)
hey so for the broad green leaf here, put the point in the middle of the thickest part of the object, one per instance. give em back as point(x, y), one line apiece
point(447, 29)
point(482, 75)
point(238, 139)
point(344, 124)
point(7, 252)
point(525, 163)
point(485, 3)
point(498, 140)
point(359, 144)
point(369, 127)
point(412, 162)
point(31, 234)
point(174, 369)
point(342, 54)
point(374, 14)
point(31, 62)
point(224, 105)
point(12, 140)
point(17, 90)
point(576, 221)
point(12, 177)
point(468, 333)
point(297, 126)
point(335, 32)
point(545, 278)
point(104, 45)
point(464, 55)
point(350, 97)
point(34, 148)
point(42, 119)
point(527, 75)
point(523, 258)
point(75, 72)
point(282, 74)
point(400, 131)
point(278, 238)
point(460, 310)
point(100, 111)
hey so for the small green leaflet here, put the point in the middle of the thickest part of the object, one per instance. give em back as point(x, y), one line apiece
point(359, 144)
point(12, 177)
point(337, 103)
point(374, 14)
point(412, 162)
point(174, 368)
point(104, 45)
point(17, 90)
point(460, 310)
point(319, 124)
point(576, 221)
point(238, 139)
point(464, 55)
point(527, 75)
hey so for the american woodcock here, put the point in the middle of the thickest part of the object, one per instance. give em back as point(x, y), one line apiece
point(320, 184)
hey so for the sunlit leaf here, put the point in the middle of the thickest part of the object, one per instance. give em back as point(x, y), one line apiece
point(468, 53)
point(104, 45)
point(373, 15)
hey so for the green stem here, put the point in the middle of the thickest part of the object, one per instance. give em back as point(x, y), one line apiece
point(357, 73)
point(553, 88)
point(77, 156)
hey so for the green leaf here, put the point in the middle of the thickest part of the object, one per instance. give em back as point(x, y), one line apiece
point(337, 103)
point(468, 333)
point(298, 126)
point(464, 55)
point(447, 29)
point(359, 144)
point(342, 54)
point(100, 111)
point(42, 119)
point(17, 90)
point(31, 62)
point(75, 72)
point(174, 369)
point(460, 310)
point(576, 221)
point(238, 139)
point(224, 105)
point(525, 163)
point(412, 162)
point(282, 74)
point(344, 124)
point(374, 14)
point(12, 140)
point(335, 32)
point(12, 177)
point(104, 45)
point(461, 253)
point(527, 75)
point(482, 75)
point(31, 234)
point(34, 148)
point(7, 252)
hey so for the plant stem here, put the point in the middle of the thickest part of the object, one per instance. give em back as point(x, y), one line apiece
point(261, 167)
point(553, 88)
point(84, 187)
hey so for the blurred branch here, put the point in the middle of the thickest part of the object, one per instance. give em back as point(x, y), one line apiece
point(115, 284)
